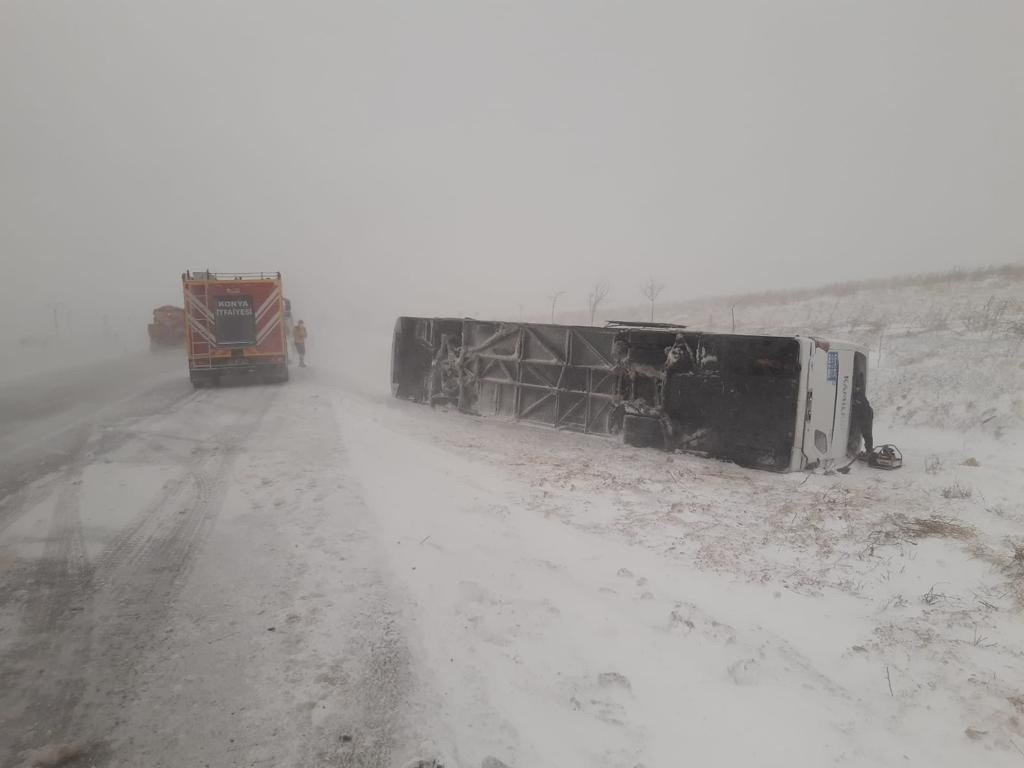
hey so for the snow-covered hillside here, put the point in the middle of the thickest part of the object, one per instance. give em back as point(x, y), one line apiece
point(946, 350)
point(581, 602)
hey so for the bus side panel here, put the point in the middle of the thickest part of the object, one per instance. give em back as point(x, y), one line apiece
point(759, 401)
point(412, 354)
point(737, 399)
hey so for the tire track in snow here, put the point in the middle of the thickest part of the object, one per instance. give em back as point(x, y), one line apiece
point(141, 573)
point(28, 480)
point(18, 491)
point(190, 490)
point(56, 625)
point(75, 659)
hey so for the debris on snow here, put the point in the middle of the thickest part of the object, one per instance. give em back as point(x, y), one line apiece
point(613, 680)
point(935, 526)
point(745, 672)
point(956, 491)
point(53, 755)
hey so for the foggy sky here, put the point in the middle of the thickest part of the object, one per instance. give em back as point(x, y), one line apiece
point(468, 158)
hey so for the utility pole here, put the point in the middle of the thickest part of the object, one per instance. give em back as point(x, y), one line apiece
point(57, 308)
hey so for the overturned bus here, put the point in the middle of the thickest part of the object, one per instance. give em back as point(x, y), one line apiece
point(779, 403)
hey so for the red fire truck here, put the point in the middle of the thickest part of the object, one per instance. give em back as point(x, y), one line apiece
point(237, 323)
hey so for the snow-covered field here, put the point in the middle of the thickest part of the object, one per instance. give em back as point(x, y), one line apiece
point(581, 602)
point(24, 361)
point(585, 603)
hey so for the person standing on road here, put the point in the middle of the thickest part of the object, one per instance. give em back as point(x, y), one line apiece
point(299, 339)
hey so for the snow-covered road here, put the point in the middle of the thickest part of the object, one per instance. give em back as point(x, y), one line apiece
point(189, 579)
point(303, 575)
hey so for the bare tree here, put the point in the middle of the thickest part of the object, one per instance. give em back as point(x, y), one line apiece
point(554, 300)
point(651, 290)
point(595, 298)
